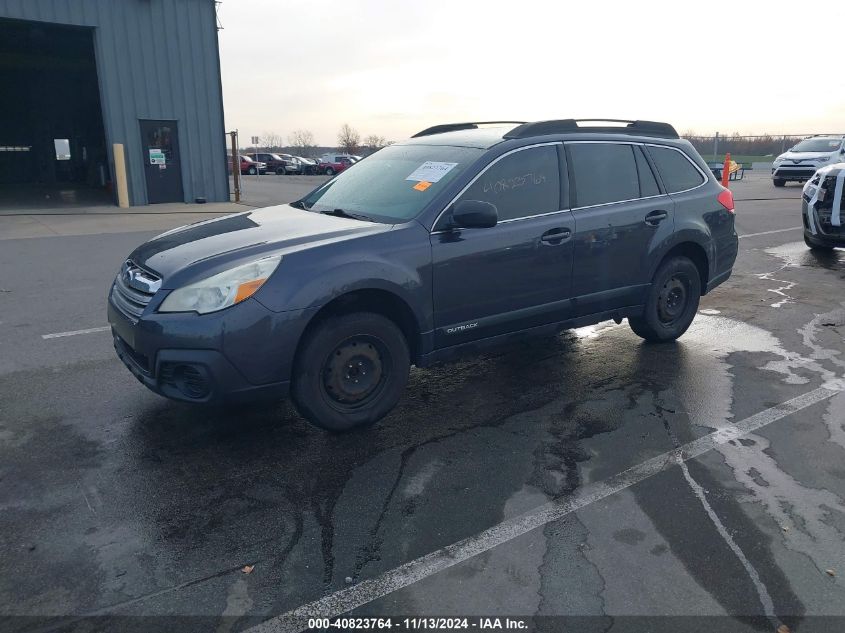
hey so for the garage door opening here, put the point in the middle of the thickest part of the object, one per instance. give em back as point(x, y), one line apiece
point(52, 142)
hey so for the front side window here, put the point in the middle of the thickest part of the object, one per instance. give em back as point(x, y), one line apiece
point(521, 184)
point(602, 173)
point(394, 184)
point(678, 173)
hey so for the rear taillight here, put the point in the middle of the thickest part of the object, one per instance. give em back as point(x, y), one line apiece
point(726, 199)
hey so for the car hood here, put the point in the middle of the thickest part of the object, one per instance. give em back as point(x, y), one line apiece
point(803, 155)
point(234, 238)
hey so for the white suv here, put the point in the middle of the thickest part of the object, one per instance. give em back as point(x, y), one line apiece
point(801, 162)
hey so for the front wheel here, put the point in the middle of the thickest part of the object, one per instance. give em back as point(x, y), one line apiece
point(329, 171)
point(671, 303)
point(252, 171)
point(779, 182)
point(350, 371)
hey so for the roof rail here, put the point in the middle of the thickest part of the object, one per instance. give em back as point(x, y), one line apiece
point(645, 128)
point(452, 127)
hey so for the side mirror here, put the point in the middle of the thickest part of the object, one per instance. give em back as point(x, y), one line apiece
point(474, 214)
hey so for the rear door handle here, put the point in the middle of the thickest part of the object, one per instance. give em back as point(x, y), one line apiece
point(556, 236)
point(656, 217)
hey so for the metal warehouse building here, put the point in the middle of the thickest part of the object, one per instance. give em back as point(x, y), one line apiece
point(81, 76)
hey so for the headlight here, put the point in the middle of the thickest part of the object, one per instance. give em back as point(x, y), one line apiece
point(221, 290)
point(823, 159)
point(779, 159)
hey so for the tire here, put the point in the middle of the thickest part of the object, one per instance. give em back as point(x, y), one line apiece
point(280, 171)
point(815, 246)
point(335, 355)
point(329, 171)
point(252, 171)
point(778, 182)
point(671, 303)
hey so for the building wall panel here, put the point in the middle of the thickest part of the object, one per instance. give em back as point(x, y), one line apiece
point(156, 59)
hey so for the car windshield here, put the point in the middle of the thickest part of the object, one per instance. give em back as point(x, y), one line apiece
point(395, 183)
point(818, 145)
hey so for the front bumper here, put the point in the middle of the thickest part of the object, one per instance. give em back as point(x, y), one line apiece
point(819, 232)
point(241, 353)
point(793, 172)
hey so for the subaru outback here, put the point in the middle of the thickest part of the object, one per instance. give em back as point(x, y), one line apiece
point(465, 235)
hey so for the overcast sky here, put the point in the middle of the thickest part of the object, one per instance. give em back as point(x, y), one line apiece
point(393, 67)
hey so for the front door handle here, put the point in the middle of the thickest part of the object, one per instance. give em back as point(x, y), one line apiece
point(656, 217)
point(556, 236)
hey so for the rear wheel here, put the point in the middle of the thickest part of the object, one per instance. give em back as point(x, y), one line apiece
point(778, 182)
point(815, 246)
point(350, 371)
point(329, 171)
point(671, 303)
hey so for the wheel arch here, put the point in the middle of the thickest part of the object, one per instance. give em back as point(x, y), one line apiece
point(376, 300)
point(694, 252)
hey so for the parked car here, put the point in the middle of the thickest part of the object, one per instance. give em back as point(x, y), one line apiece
point(458, 238)
point(309, 166)
point(799, 163)
point(249, 166)
point(331, 164)
point(279, 164)
point(823, 208)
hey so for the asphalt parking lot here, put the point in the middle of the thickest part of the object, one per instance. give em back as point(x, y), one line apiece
point(589, 475)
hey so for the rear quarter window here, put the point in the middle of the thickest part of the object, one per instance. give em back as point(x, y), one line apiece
point(678, 173)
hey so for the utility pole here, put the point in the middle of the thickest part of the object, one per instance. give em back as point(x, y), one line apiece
point(236, 165)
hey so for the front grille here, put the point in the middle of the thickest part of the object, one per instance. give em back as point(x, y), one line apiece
point(133, 289)
point(800, 172)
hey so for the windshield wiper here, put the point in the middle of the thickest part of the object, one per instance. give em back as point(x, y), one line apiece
point(341, 213)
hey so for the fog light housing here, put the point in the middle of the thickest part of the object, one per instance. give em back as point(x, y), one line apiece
point(190, 379)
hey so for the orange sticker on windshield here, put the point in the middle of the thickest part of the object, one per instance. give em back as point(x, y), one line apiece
point(422, 185)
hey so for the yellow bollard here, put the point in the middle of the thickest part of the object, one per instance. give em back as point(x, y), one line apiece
point(120, 176)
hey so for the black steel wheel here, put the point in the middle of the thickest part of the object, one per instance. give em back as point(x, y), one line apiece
point(671, 303)
point(350, 370)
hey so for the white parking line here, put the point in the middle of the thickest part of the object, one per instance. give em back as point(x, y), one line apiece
point(794, 228)
point(367, 591)
point(90, 330)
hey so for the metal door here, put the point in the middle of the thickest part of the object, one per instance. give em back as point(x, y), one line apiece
point(162, 164)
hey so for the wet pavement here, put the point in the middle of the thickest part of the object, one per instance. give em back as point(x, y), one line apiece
point(115, 502)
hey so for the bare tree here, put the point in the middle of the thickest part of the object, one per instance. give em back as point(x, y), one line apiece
point(304, 139)
point(271, 141)
point(374, 142)
point(348, 139)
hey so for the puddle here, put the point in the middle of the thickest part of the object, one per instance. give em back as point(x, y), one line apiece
point(796, 254)
point(803, 511)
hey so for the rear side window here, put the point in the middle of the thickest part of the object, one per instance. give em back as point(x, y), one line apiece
point(603, 173)
point(648, 184)
point(521, 184)
point(677, 171)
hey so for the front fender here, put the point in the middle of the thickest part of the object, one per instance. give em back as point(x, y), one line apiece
point(398, 262)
